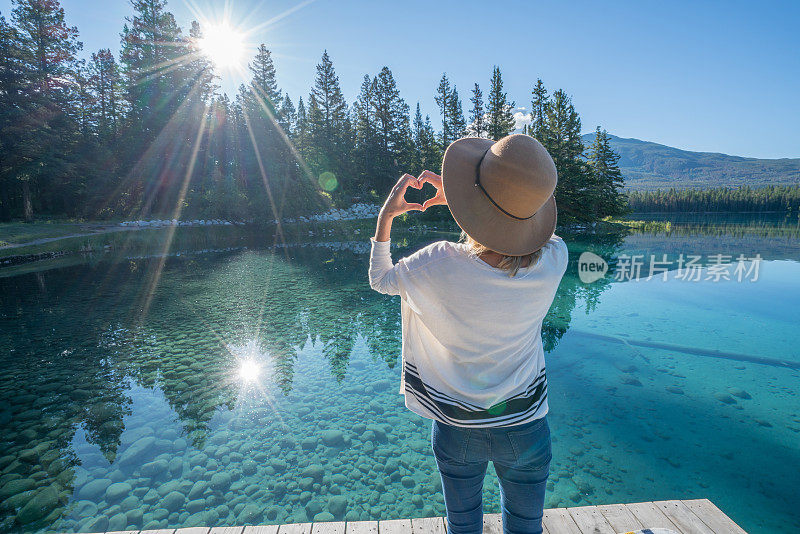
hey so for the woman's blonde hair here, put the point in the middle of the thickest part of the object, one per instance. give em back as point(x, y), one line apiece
point(512, 264)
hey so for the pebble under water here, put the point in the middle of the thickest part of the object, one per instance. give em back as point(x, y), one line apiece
point(251, 386)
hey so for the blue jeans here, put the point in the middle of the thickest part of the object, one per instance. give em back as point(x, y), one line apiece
point(521, 456)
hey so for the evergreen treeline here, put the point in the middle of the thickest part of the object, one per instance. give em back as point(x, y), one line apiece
point(781, 198)
point(148, 134)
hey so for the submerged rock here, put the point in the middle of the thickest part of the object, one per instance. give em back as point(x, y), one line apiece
point(173, 501)
point(117, 491)
point(314, 471)
point(39, 506)
point(278, 465)
point(91, 491)
point(249, 467)
point(630, 381)
point(98, 524)
point(724, 398)
point(154, 469)
point(118, 522)
point(309, 443)
point(323, 516)
point(381, 385)
point(129, 503)
point(333, 438)
point(198, 489)
point(337, 505)
point(16, 486)
point(136, 451)
point(249, 514)
point(738, 392)
point(221, 481)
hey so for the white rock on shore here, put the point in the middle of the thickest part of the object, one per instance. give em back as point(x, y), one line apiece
point(354, 212)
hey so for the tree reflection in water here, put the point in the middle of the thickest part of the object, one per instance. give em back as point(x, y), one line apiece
point(75, 340)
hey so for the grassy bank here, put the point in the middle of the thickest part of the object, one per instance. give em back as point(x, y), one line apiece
point(19, 232)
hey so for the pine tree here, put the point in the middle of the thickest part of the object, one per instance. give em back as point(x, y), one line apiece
point(456, 111)
point(86, 111)
point(151, 47)
point(194, 71)
point(366, 137)
point(443, 97)
point(329, 123)
point(108, 89)
point(15, 113)
point(49, 45)
point(538, 110)
point(427, 153)
point(608, 180)
point(288, 116)
point(500, 121)
point(561, 136)
point(265, 82)
point(46, 49)
point(392, 128)
point(301, 131)
point(477, 117)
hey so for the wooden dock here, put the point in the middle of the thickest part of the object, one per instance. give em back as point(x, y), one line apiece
point(696, 516)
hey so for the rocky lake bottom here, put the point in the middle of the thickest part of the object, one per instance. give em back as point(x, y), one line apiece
point(250, 387)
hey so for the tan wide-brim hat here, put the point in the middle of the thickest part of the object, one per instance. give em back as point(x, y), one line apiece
point(501, 192)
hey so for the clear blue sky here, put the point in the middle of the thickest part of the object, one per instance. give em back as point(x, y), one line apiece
point(720, 76)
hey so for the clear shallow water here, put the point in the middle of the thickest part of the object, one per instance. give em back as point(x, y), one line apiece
point(260, 386)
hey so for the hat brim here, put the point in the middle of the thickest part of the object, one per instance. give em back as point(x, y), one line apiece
point(476, 214)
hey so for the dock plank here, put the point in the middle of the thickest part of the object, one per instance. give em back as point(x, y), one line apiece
point(689, 516)
point(295, 528)
point(492, 524)
point(650, 515)
point(361, 527)
point(713, 516)
point(686, 520)
point(262, 529)
point(328, 527)
point(590, 520)
point(619, 517)
point(428, 525)
point(394, 526)
point(558, 521)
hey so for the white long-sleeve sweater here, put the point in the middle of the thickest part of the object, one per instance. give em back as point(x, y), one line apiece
point(472, 346)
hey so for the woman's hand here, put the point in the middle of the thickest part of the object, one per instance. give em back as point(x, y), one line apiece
point(396, 203)
point(436, 181)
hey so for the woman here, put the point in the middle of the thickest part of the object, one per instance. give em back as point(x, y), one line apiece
point(471, 321)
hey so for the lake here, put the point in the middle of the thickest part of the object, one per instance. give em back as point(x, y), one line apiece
point(229, 381)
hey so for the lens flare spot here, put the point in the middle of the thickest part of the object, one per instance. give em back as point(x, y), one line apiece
point(328, 181)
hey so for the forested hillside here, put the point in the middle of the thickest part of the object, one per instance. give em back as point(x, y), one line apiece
point(646, 165)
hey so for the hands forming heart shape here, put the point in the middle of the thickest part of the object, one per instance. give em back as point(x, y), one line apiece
point(396, 203)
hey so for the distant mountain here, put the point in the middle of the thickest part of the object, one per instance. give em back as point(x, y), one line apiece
point(647, 165)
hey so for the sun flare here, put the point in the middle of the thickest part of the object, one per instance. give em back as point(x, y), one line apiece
point(249, 370)
point(223, 45)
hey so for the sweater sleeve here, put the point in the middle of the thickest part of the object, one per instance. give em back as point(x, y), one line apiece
point(383, 275)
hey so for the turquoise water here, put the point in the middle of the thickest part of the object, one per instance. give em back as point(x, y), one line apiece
point(234, 383)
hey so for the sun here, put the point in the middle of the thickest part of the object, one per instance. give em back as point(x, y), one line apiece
point(223, 45)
